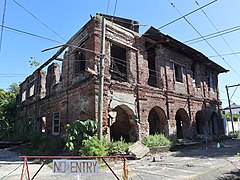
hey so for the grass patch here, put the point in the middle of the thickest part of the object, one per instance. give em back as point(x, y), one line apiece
point(118, 147)
point(156, 140)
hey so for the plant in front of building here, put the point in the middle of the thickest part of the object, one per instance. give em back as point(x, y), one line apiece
point(77, 132)
point(156, 140)
point(235, 116)
point(94, 147)
point(235, 134)
point(118, 147)
point(7, 114)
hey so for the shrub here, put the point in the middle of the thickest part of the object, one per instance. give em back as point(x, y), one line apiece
point(156, 140)
point(118, 147)
point(235, 134)
point(77, 132)
point(93, 147)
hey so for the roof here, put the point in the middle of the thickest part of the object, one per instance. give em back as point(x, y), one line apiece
point(127, 23)
point(233, 106)
point(155, 35)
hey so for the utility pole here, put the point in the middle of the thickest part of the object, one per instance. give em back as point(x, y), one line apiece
point(230, 109)
point(101, 81)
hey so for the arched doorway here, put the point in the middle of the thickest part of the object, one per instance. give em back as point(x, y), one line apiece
point(201, 123)
point(182, 124)
point(157, 121)
point(125, 125)
point(213, 124)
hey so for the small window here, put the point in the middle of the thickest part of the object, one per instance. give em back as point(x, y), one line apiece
point(79, 62)
point(152, 80)
point(118, 67)
point(56, 123)
point(210, 81)
point(178, 72)
point(193, 75)
point(43, 124)
point(30, 121)
point(31, 90)
point(24, 96)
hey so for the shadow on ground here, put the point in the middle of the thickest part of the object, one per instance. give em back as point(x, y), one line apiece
point(228, 148)
point(231, 175)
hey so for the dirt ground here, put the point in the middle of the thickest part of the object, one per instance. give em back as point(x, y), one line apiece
point(189, 162)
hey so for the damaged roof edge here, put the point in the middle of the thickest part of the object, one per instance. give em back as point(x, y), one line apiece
point(156, 35)
point(130, 24)
point(63, 47)
point(127, 23)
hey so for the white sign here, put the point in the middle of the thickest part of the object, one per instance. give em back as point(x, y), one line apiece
point(75, 166)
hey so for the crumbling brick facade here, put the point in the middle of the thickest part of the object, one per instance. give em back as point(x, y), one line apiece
point(152, 84)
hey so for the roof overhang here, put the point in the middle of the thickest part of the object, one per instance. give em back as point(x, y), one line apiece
point(175, 45)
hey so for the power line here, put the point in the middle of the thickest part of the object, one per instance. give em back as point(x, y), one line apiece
point(183, 16)
point(203, 38)
point(45, 38)
point(13, 74)
point(39, 20)
point(28, 33)
point(233, 92)
point(115, 7)
point(217, 30)
point(3, 19)
point(107, 6)
point(228, 54)
point(213, 35)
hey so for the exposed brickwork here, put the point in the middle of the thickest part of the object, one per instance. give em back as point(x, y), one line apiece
point(185, 83)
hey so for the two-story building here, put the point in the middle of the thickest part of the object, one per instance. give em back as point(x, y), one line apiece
point(152, 84)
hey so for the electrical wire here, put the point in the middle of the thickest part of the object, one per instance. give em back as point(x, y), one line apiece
point(228, 54)
point(107, 6)
point(3, 21)
point(38, 20)
point(233, 92)
point(46, 38)
point(228, 45)
point(49, 39)
point(30, 34)
point(213, 35)
point(204, 39)
point(115, 7)
point(183, 16)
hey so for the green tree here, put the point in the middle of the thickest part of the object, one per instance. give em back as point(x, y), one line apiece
point(14, 87)
point(235, 116)
point(7, 114)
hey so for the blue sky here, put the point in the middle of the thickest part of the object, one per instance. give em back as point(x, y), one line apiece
point(67, 17)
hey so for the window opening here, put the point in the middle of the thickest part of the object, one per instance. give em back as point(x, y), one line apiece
point(193, 75)
point(79, 62)
point(118, 69)
point(31, 90)
point(56, 123)
point(152, 79)
point(210, 80)
point(23, 96)
point(178, 72)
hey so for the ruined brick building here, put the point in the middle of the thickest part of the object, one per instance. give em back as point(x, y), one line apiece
point(152, 84)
